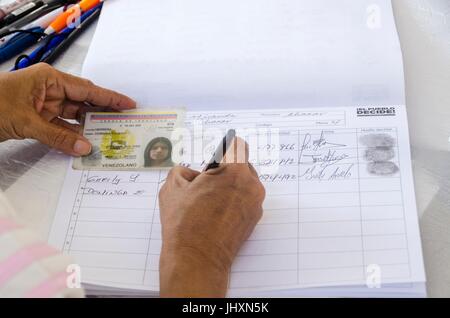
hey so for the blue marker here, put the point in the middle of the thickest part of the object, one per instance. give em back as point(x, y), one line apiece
point(37, 54)
point(14, 44)
point(19, 43)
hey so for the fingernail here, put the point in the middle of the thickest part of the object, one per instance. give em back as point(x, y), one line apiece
point(82, 147)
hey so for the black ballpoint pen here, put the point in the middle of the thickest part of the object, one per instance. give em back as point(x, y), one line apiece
point(221, 150)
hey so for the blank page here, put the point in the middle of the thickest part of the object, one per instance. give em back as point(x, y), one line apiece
point(243, 54)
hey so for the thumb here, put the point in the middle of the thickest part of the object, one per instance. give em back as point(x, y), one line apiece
point(60, 138)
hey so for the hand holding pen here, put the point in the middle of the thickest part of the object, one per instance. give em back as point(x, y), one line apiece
point(205, 218)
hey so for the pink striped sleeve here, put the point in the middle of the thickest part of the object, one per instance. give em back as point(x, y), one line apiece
point(23, 258)
point(29, 267)
point(51, 287)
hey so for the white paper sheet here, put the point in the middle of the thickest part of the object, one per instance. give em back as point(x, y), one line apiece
point(238, 54)
point(328, 219)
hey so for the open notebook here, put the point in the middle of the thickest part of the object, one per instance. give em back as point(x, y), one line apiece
point(339, 216)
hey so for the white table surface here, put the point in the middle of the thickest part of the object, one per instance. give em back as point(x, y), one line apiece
point(32, 177)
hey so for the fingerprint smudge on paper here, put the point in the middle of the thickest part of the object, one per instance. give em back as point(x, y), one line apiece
point(379, 152)
point(382, 168)
point(378, 140)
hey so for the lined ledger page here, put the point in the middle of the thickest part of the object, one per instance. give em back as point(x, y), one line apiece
point(340, 202)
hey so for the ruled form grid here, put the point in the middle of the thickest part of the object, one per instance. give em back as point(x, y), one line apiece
point(319, 227)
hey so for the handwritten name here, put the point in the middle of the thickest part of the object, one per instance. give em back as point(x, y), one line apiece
point(113, 192)
point(115, 180)
point(323, 173)
point(316, 144)
point(329, 158)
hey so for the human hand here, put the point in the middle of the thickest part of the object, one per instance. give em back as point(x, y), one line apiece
point(35, 101)
point(206, 217)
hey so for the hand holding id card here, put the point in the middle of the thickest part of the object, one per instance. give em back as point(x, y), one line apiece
point(132, 140)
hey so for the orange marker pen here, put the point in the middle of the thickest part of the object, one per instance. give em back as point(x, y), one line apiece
point(64, 18)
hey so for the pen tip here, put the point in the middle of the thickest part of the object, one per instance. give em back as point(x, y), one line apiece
point(49, 31)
